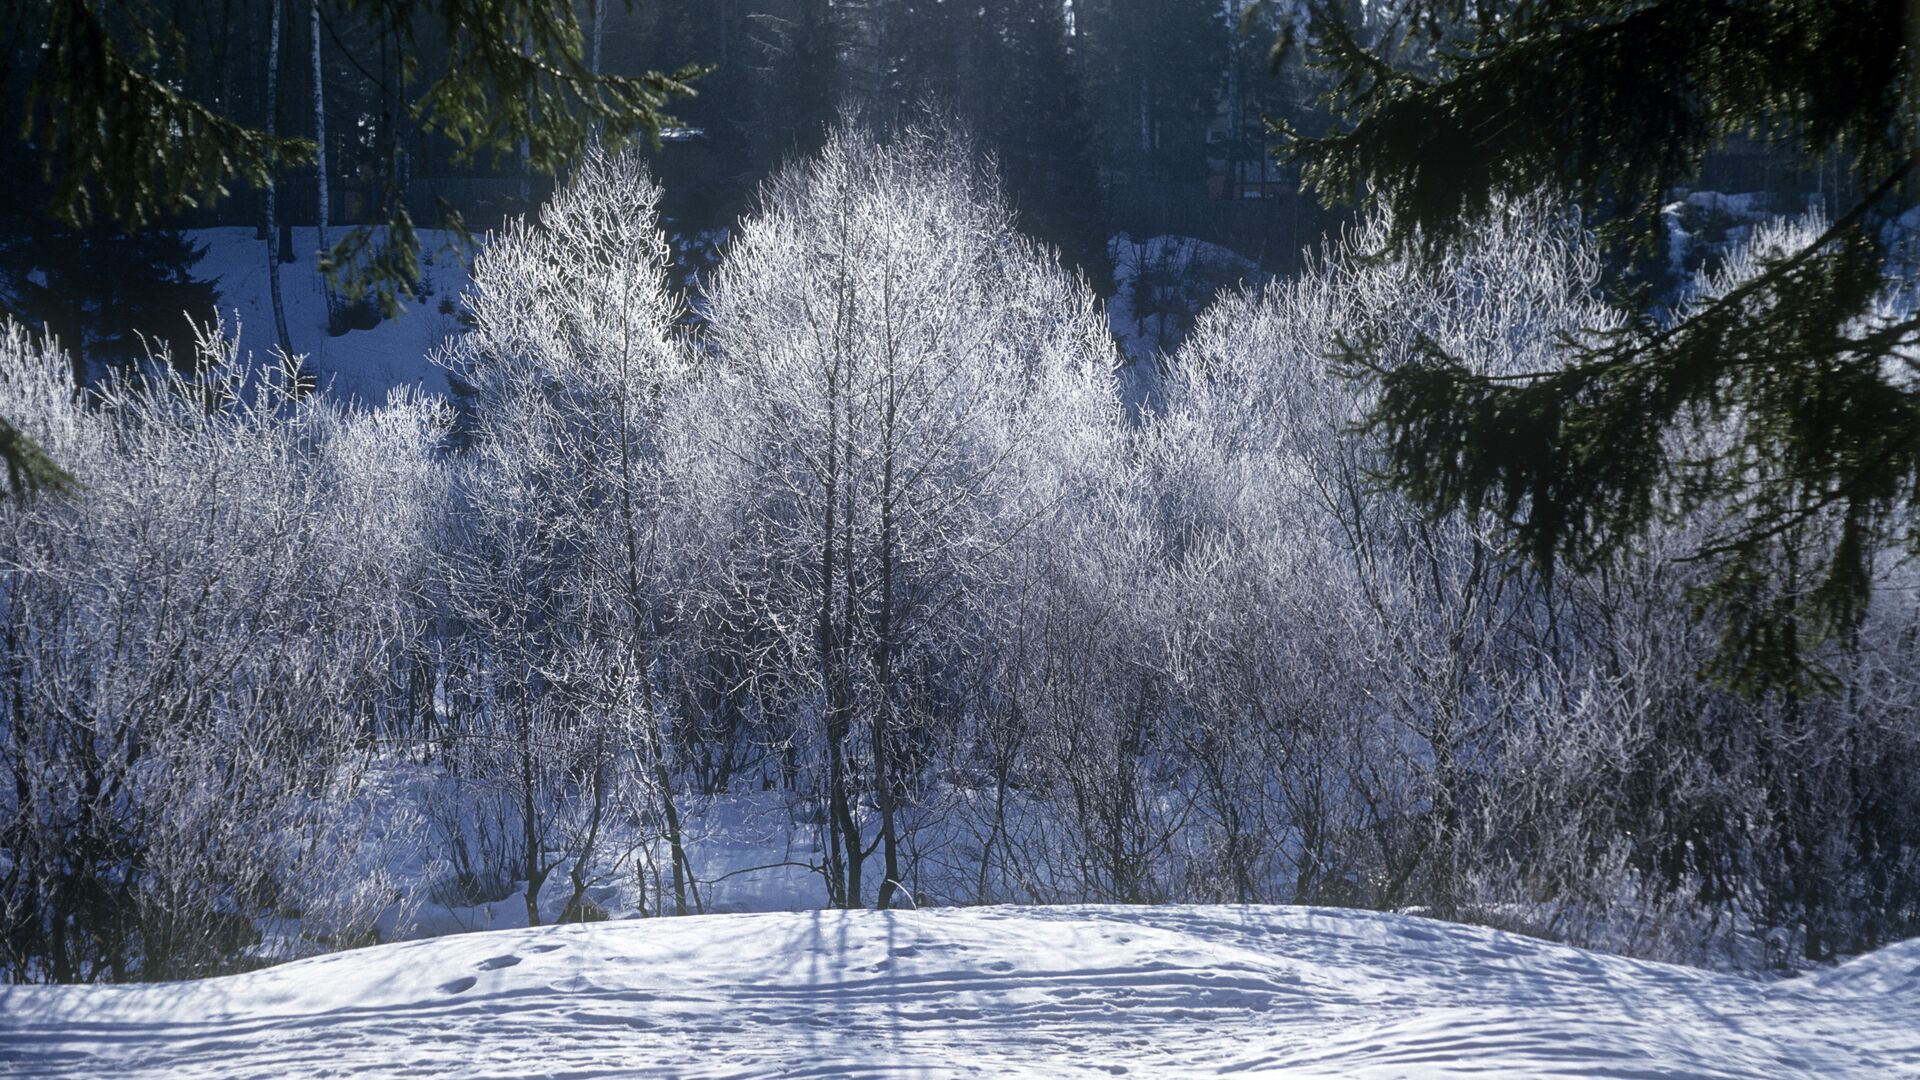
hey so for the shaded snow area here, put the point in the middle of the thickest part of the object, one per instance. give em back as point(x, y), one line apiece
point(1081, 991)
point(359, 365)
point(745, 851)
point(1161, 284)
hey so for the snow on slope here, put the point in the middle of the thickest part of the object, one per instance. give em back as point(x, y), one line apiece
point(360, 365)
point(1087, 991)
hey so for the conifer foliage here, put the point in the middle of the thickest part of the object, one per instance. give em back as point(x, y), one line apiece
point(1803, 373)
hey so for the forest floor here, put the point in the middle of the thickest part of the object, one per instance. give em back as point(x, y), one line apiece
point(1055, 992)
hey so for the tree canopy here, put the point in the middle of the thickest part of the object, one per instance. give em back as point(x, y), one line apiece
point(118, 139)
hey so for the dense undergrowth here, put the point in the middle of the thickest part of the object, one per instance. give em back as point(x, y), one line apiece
point(878, 546)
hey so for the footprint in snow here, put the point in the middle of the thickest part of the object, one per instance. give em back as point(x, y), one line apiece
point(916, 950)
point(495, 963)
point(458, 986)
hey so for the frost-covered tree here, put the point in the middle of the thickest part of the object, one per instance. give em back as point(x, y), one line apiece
point(561, 578)
point(1393, 703)
point(194, 644)
point(876, 528)
point(1802, 367)
point(1269, 498)
point(900, 388)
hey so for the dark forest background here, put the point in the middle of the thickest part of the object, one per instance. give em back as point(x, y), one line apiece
point(1104, 117)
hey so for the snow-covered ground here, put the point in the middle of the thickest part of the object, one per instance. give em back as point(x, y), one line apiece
point(1084, 991)
point(361, 365)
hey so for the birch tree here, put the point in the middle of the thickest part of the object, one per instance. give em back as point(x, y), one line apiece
point(889, 361)
point(563, 581)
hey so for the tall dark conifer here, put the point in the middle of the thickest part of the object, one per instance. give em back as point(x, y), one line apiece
point(111, 298)
point(1036, 120)
point(802, 78)
point(1155, 71)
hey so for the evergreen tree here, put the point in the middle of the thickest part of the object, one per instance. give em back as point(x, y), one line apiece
point(131, 123)
point(1154, 74)
point(111, 298)
point(1804, 373)
point(803, 78)
point(1036, 121)
point(935, 49)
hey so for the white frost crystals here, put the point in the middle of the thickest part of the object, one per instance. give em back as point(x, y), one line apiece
point(905, 401)
point(195, 645)
point(562, 570)
point(865, 589)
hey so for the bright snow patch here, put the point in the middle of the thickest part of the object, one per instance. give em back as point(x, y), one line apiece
point(1084, 991)
point(360, 365)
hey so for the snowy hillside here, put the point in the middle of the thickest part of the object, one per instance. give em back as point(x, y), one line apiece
point(360, 365)
point(1086, 991)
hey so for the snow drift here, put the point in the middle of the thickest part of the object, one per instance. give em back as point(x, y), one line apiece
point(1077, 991)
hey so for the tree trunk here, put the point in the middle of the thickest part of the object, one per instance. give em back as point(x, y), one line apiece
point(682, 867)
point(320, 151)
point(596, 10)
point(273, 127)
point(845, 847)
point(857, 850)
point(883, 765)
point(536, 865)
point(578, 874)
point(640, 629)
point(1146, 119)
point(599, 32)
point(526, 148)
